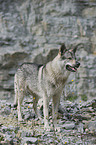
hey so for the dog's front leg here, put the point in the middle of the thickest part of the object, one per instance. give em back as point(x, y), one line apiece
point(55, 105)
point(46, 112)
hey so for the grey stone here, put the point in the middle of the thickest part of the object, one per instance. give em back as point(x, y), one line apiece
point(29, 140)
point(17, 128)
point(68, 125)
point(80, 128)
point(92, 126)
point(4, 129)
point(75, 110)
point(5, 111)
point(11, 127)
point(28, 115)
point(9, 138)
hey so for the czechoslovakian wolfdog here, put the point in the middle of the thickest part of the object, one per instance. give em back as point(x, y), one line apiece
point(45, 81)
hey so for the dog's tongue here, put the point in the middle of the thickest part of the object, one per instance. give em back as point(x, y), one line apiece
point(73, 68)
point(70, 68)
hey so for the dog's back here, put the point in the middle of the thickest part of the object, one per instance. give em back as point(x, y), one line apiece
point(26, 80)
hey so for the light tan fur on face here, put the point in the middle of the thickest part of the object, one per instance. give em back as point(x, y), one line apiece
point(72, 62)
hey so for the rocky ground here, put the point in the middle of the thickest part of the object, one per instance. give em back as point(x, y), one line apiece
point(77, 125)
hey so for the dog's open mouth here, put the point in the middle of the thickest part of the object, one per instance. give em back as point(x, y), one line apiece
point(71, 68)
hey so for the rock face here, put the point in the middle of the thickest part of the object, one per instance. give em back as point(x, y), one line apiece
point(32, 31)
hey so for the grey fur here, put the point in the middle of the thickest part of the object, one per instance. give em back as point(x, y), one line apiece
point(44, 82)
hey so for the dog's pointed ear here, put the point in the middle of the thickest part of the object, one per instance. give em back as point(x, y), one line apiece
point(62, 49)
point(75, 48)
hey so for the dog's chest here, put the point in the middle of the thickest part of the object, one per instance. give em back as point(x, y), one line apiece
point(57, 84)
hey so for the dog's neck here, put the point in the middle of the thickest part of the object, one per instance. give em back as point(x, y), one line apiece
point(59, 67)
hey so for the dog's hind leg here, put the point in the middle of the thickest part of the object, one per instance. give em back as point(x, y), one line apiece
point(20, 99)
point(37, 111)
point(19, 94)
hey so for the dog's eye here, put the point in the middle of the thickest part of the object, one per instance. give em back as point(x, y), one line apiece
point(63, 57)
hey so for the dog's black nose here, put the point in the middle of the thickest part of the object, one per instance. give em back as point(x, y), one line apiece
point(77, 64)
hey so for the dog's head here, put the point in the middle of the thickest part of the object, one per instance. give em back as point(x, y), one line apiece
point(69, 58)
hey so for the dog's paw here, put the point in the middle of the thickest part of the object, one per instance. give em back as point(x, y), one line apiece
point(20, 119)
point(48, 128)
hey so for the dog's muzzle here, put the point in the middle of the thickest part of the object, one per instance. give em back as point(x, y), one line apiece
point(73, 68)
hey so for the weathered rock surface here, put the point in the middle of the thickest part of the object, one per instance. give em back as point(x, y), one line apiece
point(30, 30)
